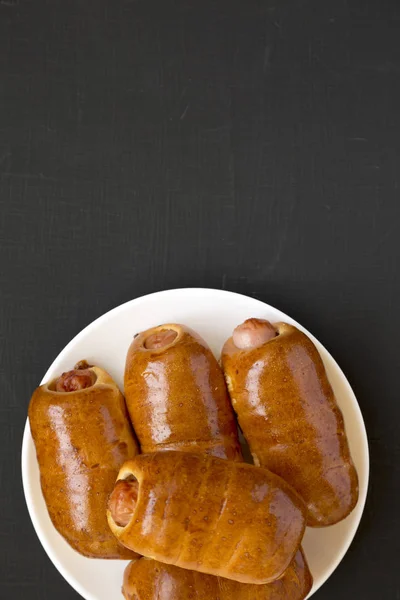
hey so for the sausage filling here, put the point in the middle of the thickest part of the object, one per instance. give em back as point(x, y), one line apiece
point(77, 379)
point(123, 500)
point(160, 339)
point(253, 333)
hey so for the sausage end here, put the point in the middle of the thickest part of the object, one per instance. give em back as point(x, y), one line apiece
point(253, 333)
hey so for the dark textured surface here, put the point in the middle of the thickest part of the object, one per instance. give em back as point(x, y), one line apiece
point(154, 144)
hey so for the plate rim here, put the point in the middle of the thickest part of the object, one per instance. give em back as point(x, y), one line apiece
point(27, 437)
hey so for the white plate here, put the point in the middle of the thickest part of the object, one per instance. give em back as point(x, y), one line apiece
point(214, 314)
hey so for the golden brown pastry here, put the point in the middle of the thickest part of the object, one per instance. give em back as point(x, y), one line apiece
point(176, 394)
point(288, 414)
point(208, 514)
point(147, 579)
point(82, 435)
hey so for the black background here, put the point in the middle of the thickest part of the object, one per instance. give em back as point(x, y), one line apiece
point(250, 146)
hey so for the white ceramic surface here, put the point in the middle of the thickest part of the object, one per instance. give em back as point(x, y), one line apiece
point(214, 314)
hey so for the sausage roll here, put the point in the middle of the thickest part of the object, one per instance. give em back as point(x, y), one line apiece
point(82, 434)
point(211, 515)
point(289, 415)
point(147, 579)
point(176, 394)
